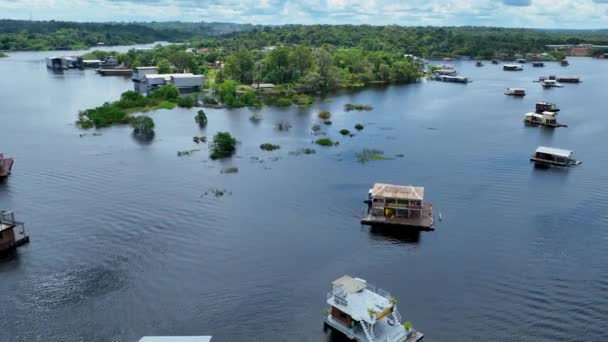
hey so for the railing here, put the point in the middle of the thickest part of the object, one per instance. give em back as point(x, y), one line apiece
point(339, 297)
point(379, 291)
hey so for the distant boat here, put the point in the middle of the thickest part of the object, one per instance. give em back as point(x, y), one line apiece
point(455, 79)
point(512, 67)
point(494, 61)
point(564, 62)
point(550, 156)
point(521, 60)
point(538, 64)
point(551, 84)
point(479, 64)
point(516, 92)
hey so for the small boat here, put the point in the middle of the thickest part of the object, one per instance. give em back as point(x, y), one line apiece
point(564, 62)
point(551, 84)
point(521, 61)
point(454, 79)
point(548, 119)
point(447, 72)
point(516, 92)
point(538, 64)
point(542, 106)
point(366, 313)
point(512, 67)
point(6, 164)
point(479, 64)
point(550, 156)
point(494, 61)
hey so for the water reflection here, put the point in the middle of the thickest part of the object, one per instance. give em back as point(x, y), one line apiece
point(398, 235)
point(144, 140)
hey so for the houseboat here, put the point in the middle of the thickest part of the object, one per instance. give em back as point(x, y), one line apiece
point(6, 164)
point(538, 64)
point(398, 205)
point(516, 92)
point(551, 84)
point(365, 313)
point(550, 156)
point(446, 72)
point(494, 61)
point(185, 83)
point(521, 61)
point(479, 63)
point(12, 232)
point(91, 63)
point(548, 119)
point(550, 77)
point(455, 79)
point(542, 106)
point(568, 79)
point(56, 63)
point(564, 62)
point(512, 67)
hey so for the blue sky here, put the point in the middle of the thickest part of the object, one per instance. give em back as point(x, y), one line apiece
point(510, 13)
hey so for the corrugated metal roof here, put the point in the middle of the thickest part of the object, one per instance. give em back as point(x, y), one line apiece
point(398, 191)
point(554, 151)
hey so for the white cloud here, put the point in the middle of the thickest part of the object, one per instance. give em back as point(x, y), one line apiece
point(518, 13)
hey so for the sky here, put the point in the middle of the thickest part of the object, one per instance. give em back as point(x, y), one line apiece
point(561, 14)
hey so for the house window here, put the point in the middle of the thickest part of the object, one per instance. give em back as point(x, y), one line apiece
point(402, 202)
point(391, 201)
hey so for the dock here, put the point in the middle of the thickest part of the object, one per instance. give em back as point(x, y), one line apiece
point(424, 222)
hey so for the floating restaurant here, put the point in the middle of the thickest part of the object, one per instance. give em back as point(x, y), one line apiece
point(366, 313)
point(398, 205)
point(550, 156)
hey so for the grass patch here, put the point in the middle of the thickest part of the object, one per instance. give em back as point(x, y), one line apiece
point(325, 142)
point(269, 147)
point(367, 155)
point(352, 106)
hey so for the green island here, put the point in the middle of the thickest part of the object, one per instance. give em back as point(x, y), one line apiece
point(3, 55)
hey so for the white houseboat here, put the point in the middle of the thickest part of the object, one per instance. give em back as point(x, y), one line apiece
point(551, 84)
point(366, 313)
point(512, 67)
point(550, 156)
point(516, 91)
point(454, 79)
point(398, 205)
point(548, 119)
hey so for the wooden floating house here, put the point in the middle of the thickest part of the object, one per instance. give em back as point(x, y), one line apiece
point(516, 91)
point(548, 119)
point(398, 205)
point(12, 232)
point(453, 79)
point(568, 79)
point(366, 313)
point(550, 156)
point(64, 62)
point(512, 67)
point(6, 164)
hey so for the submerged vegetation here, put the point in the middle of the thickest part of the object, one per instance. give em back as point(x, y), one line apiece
point(324, 142)
point(143, 126)
point(367, 155)
point(359, 127)
point(269, 147)
point(223, 145)
point(3, 55)
point(350, 106)
point(344, 131)
point(325, 115)
point(201, 118)
point(186, 101)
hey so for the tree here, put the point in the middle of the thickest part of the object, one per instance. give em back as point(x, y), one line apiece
point(201, 118)
point(167, 92)
point(223, 145)
point(163, 66)
point(142, 125)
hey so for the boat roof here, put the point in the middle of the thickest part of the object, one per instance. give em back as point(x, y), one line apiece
point(357, 303)
point(398, 191)
point(146, 67)
point(522, 89)
point(554, 151)
point(175, 339)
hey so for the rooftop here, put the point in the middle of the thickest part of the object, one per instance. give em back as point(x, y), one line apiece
point(166, 76)
point(175, 339)
point(188, 75)
point(355, 297)
point(146, 68)
point(554, 151)
point(398, 191)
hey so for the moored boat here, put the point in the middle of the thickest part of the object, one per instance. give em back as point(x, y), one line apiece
point(454, 79)
point(548, 119)
point(568, 79)
point(550, 156)
point(512, 67)
point(542, 106)
point(551, 84)
point(516, 92)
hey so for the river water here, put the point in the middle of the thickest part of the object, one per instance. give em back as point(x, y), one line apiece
point(126, 239)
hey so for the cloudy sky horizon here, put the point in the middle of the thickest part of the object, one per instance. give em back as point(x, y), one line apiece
point(554, 14)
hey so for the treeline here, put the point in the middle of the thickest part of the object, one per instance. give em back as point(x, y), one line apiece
point(427, 41)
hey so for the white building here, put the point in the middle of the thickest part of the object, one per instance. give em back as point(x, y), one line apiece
point(184, 82)
point(139, 73)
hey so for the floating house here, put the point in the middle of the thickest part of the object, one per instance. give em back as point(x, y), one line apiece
point(91, 63)
point(516, 91)
point(398, 205)
point(115, 71)
point(12, 232)
point(568, 79)
point(550, 77)
point(184, 82)
point(446, 72)
point(550, 156)
point(6, 164)
point(263, 86)
point(538, 64)
point(512, 67)
point(366, 313)
point(175, 339)
point(455, 79)
point(57, 63)
point(548, 119)
point(542, 106)
point(139, 73)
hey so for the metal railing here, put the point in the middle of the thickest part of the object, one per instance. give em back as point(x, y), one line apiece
point(379, 291)
point(338, 296)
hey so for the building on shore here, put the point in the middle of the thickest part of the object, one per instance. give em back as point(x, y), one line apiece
point(185, 83)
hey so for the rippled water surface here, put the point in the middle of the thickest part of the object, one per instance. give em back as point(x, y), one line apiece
point(127, 240)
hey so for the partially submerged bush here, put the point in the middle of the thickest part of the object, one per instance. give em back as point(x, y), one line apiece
point(223, 145)
point(327, 122)
point(351, 106)
point(186, 101)
point(368, 155)
point(302, 100)
point(232, 169)
point(325, 142)
point(325, 115)
point(283, 102)
point(142, 125)
point(316, 128)
point(269, 147)
point(201, 118)
point(344, 132)
point(358, 127)
point(283, 126)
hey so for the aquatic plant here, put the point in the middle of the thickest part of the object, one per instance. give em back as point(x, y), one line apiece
point(186, 102)
point(303, 151)
point(302, 100)
point(327, 122)
point(255, 118)
point(142, 125)
point(393, 300)
point(359, 127)
point(369, 154)
point(371, 312)
point(283, 126)
point(325, 115)
point(344, 131)
point(407, 326)
point(352, 106)
point(269, 147)
point(316, 128)
point(187, 152)
point(326, 312)
point(324, 142)
point(201, 139)
point(232, 169)
point(223, 145)
point(201, 118)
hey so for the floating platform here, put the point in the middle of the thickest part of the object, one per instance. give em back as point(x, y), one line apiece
point(424, 222)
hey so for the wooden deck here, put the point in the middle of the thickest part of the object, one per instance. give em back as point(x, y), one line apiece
point(425, 222)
